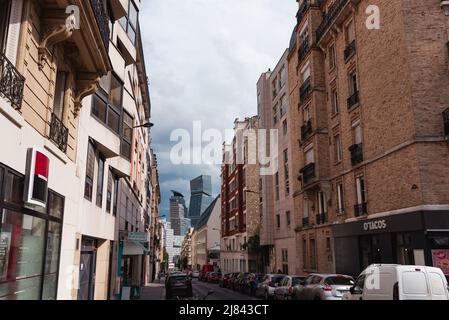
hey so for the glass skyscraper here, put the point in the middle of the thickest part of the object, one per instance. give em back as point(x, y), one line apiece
point(201, 197)
point(178, 211)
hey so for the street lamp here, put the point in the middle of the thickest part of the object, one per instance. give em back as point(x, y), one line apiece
point(145, 125)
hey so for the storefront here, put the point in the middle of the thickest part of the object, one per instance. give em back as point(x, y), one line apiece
point(419, 238)
point(29, 242)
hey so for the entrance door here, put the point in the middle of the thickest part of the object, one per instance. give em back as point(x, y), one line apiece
point(370, 250)
point(87, 271)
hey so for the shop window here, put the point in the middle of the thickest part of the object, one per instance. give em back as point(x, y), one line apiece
point(55, 205)
point(22, 239)
point(13, 189)
point(404, 249)
point(51, 261)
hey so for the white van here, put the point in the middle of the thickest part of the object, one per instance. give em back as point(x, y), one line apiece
point(398, 282)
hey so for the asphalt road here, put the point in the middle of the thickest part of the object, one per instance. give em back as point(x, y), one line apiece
point(201, 289)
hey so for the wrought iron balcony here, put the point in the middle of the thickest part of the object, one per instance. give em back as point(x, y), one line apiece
point(305, 222)
point(340, 210)
point(446, 122)
point(306, 130)
point(11, 82)
point(321, 218)
point(59, 134)
point(308, 173)
point(303, 50)
point(329, 18)
point(305, 90)
point(353, 100)
point(102, 21)
point(302, 10)
point(356, 153)
point(350, 50)
point(361, 209)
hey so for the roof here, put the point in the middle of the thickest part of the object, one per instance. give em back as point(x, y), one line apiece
point(206, 214)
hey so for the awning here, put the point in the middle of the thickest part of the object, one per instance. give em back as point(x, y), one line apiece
point(131, 248)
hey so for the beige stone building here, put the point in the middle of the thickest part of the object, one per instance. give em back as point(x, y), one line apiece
point(372, 157)
point(240, 199)
point(277, 230)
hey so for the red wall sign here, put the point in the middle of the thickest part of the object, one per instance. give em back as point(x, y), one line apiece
point(36, 184)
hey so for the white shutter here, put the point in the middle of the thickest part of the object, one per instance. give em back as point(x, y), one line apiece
point(15, 21)
point(358, 134)
point(310, 157)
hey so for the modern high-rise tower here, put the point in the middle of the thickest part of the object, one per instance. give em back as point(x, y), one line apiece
point(178, 212)
point(201, 197)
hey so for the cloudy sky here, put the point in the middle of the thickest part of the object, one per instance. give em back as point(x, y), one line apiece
point(204, 58)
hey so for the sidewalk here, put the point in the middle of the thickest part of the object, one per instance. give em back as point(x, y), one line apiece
point(154, 291)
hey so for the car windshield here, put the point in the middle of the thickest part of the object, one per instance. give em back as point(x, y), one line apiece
point(339, 281)
point(277, 279)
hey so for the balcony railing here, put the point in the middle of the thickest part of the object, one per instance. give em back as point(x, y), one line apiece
point(329, 18)
point(361, 209)
point(321, 218)
point(11, 82)
point(356, 153)
point(308, 173)
point(446, 122)
point(353, 100)
point(305, 90)
point(102, 21)
point(59, 134)
point(306, 130)
point(302, 10)
point(303, 50)
point(350, 50)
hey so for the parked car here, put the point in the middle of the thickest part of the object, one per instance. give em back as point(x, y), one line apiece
point(265, 289)
point(205, 270)
point(284, 290)
point(178, 285)
point(399, 282)
point(237, 285)
point(232, 279)
point(213, 277)
point(224, 280)
point(249, 286)
point(324, 287)
point(195, 274)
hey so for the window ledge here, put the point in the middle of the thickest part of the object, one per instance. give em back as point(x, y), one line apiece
point(53, 149)
point(11, 114)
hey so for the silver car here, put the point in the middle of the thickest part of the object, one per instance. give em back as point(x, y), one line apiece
point(265, 289)
point(324, 287)
point(285, 288)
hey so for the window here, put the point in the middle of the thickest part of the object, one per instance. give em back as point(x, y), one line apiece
point(276, 187)
point(304, 253)
point(5, 9)
point(321, 203)
point(129, 22)
point(100, 180)
point(107, 103)
point(338, 151)
point(350, 32)
point(288, 218)
point(116, 182)
point(360, 188)
point(284, 105)
point(60, 88)
point(340, 199)
point(109, 191)
point(274, 88)
point(357, 129)
point(332, 56)
point(278, 220)
point(305, 212)
point(305, 73)
point(127, 135)
point(90, 168)
point(286, 174)
point(306, 115)
point(310, 157)
point(284, 127)
point(275, 114)
point(353, 89)
point(285, 261)
point(312, 257)
point(334, 101)
point(283, 76)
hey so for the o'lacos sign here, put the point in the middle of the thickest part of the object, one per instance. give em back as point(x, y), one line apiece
point(375, 225)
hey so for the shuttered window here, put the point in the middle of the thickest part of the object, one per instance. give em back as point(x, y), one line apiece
point(109, 191)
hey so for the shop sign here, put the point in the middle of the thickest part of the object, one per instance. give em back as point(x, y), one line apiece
point(138, 236)
point(36, 183)
point(375, 225)
point(440, 260)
